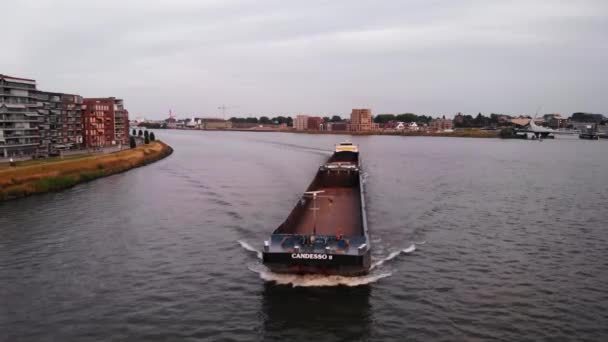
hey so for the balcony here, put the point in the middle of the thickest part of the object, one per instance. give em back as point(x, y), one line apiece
point(14, 85)
point(30, 119)
point(17, 136)
point(20, 145)
point(19, 128)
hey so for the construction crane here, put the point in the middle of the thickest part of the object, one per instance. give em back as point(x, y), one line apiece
point(171, 116)
point(223, 109)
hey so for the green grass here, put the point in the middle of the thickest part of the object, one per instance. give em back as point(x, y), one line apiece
point(89, 176)
point(56, 174)
point(55, 183)
point(14, 193)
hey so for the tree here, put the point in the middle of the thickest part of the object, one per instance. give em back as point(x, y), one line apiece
point(336, 118)
point(140, 133)
point(279, 120)
point(481, 121)
point(132, 142)
point(326, 119)
point(383, 118)
point(424, 119)
point(152, 137)
point(146, 139)
point(265, 120)
point(407, 117)
point(134, 132)
point(146, 134)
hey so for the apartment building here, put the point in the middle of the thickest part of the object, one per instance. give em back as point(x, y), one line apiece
point(301, 122)
point(105, 122)
point(361, 120)
point(121, 123)
point(19, 119)
point(36, 122)
point(71, 111)
point(50, 120)
point(61, 121)
point(441, 124)
point(315, 123)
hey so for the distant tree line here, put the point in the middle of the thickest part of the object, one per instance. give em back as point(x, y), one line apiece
point(335, 118)
point(468, 121)
point(264, 120)
point(405, 117)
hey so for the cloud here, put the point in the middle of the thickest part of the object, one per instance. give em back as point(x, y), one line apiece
point(277, 57)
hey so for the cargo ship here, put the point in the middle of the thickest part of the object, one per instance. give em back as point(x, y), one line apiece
point(326, 232)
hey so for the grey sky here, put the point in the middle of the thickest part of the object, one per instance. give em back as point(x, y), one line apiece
point(317, 57)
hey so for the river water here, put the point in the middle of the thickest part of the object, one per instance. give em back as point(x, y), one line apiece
point(472, 240)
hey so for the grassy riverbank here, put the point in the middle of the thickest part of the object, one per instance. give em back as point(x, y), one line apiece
point(40, 176)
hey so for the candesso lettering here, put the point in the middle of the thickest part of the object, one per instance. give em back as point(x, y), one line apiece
point(310, 256)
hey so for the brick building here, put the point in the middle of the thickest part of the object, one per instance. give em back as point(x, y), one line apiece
point(361, 120)
point(338, 126)
point(314, 123)
point(555, 121)
point(458, 119)
point(211, 123)
point(105, 122)
point(441, 124)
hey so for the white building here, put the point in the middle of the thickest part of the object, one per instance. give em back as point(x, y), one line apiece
point(301, 122)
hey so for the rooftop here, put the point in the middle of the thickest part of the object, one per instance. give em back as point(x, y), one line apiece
point(16, 78)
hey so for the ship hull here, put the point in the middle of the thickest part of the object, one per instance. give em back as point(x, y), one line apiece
point(343, 265)
point(326, 232)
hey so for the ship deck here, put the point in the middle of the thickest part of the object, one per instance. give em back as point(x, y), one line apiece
point(339, 212)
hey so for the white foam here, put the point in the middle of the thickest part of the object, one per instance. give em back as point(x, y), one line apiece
point(315, 280)
point(393, 255)
point(250, 248)
point(318, 280)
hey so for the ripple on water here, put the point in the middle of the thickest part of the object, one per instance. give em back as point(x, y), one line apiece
point(517, 245)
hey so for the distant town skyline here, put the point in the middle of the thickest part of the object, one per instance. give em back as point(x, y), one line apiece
point(321, 58)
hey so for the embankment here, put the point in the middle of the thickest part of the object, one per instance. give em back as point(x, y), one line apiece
point(53, 175)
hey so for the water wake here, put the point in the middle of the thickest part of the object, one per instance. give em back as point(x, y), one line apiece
point(298, 147)
point(315, 280)
point(319, 280)
point(393, 255)
point(250, 248)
